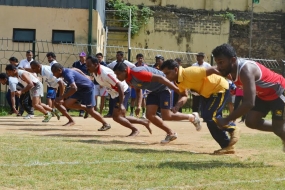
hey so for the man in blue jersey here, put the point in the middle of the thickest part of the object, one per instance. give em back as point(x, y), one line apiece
point(81, 88)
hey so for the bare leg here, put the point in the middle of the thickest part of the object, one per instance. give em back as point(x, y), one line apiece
point(144, 122)
point(96, 100)
point(95, 115)
point(49, 102)
point(46, 107)
point(279, 128)
point(69, 103)
point(102, 104)
point(37, 105)
point(119, 118)
point(168, 115)
point(254, 120)
point(157, 121)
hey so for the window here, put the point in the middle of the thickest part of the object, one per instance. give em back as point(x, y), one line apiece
point(62, 36)
point(24, 35)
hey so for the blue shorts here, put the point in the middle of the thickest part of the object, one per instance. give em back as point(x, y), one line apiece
point(51, 93)
point(133, 93)
point(87, 97)
point(127, 95)
point(161, 99)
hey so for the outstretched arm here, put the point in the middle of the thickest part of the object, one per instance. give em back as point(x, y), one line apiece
point(212, 70)
point(166, 82)
point(249, 93)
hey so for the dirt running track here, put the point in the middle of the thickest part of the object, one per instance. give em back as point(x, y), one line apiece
point(188, 138)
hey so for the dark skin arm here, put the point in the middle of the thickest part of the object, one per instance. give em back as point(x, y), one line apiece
point(29, 86)
point(61, 87)
point(212, 70)
point(138, 100)
point(183, 97)
point(72, 90)
point(121, 97)
point(163, 80)
point(13, 101)
point(248, 75)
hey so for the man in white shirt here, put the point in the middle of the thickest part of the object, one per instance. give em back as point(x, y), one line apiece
point(196, 97)
point(200, 61)
point(51, 58)
point(52, 82)
point(33, 86)
point(25, 63)
point(120, 58)
point(51, 92)
point(119, 92)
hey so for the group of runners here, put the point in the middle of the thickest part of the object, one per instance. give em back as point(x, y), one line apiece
point(263, 92)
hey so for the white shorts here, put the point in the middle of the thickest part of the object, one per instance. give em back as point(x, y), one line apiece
point(37, 90)
point(100, 91)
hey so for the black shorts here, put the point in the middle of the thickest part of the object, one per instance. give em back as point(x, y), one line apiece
point(277, 107)
point(127, 95)
point(161, 99)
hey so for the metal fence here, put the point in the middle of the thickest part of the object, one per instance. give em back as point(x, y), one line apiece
point(67, 53)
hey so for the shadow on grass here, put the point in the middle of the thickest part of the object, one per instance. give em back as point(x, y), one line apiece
point(12, 121)
point(203, 165)
point(44, 129)
point(155, 151)
point(75, 135)
point(113, 142)
point(24, 124)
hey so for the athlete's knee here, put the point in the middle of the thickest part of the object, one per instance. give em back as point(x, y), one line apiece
point(116, 118)
point(251, 123)
point(166, 117)
point(150, 116)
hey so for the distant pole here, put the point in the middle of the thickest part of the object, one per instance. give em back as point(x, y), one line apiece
point(250, 36)
point(129, 35)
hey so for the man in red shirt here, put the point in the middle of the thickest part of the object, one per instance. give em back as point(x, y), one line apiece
point(263, 92)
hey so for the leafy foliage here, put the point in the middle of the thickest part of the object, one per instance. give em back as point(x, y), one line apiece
point(139, 16)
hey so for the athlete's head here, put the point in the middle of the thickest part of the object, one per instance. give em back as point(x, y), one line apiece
point(92, 64)
point(121, 71)
point(11, 70)
point(29, 55)
point(120, 56)
point(57, 70)
point(4, 78)
point(225, 58)
point(139, 58)
point(50, 57)
point(13, 61)
point(170, 69)
point(99, 56)
point(36, 67)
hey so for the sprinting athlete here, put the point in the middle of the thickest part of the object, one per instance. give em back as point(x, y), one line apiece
point(34, 86)
point(52, 82)
point(263, 91)
point(154, 81)
point(81, 88)
point(119, 91)
point(213, 90)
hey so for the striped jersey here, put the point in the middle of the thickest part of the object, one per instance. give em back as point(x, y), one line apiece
point(140, 77)
point(269, 86)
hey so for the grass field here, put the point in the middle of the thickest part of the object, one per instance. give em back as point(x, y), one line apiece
point(35, 155)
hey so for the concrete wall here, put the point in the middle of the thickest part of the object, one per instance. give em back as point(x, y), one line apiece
point(181, 33)
point(216, 5)
point(44, 20)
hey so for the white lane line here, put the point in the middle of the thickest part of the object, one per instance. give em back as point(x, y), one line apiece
point(39, 163)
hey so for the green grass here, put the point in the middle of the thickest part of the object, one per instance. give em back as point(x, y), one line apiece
point(37, 162)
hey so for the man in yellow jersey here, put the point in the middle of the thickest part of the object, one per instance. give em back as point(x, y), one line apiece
point(213, 90)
